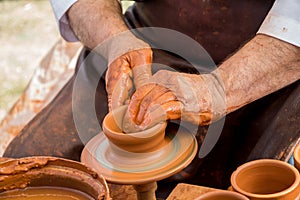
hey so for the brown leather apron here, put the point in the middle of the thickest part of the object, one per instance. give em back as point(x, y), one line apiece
point(267, 128)
point(220, 26)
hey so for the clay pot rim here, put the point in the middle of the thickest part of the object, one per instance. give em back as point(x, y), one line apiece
point(296, 153)
point(266, 161)
point(142, 134)
point(213, 193)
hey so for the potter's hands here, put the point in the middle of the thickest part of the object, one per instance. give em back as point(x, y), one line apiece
point(100, 25)
point(129, 63)
point(171, 95)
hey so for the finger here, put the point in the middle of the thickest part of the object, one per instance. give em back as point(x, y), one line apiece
point(163, 112)
point(173, 109)
point(156, 116)
point(136, 99)
point(141, 74)
point(157, 97)
point(118, 83)
point(158, 92)
point(129, 124)
point(121, 91)
point(114, 73)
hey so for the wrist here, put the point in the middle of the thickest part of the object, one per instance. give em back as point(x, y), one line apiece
point(206, 102)
point(202, 97)
point(120, 44)
point(216, 94)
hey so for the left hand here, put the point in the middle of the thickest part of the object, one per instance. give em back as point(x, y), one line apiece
point(132, 67)
point(129, 65)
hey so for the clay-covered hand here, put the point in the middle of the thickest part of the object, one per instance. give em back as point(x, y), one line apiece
point(129, 66)
point(172, 95)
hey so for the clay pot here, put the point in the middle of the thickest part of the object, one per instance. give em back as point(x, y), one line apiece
point(139, 142)
point(222, 195)
point(297, 157)
point(40, 172)
point(267, 179)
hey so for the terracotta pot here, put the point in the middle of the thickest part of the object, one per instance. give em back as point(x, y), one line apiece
point(297, 157)
point(49, 172)
point(222, 195)
point(138, 142)
point(267, 179)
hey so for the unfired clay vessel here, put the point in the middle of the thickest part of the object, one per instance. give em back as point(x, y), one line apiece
point(222, 195)
point(267, 179)
point(139, 142)
point(51, 172)
point(139, 158)
point(124, 167)
point(297, 157)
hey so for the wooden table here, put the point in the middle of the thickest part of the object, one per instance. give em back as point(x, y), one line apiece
point(188, 192)
point(181, 192)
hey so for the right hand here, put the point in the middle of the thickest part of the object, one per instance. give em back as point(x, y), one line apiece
point(198, 99)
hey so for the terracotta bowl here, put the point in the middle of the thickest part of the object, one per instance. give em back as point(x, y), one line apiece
point(45, 172)
point(267, 179)
point(139, 142)
point(222, 195)
point(297, 157)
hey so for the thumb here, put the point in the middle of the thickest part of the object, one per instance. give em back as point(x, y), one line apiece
point(141, 74)
point(121, 92)
point(156, 114)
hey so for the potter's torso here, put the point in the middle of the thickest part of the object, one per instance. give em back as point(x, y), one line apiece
point(220, 26)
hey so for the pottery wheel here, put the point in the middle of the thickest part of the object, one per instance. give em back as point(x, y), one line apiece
point(122, 167)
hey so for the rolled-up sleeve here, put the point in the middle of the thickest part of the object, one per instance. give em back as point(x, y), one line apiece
point(283, 21)
point(60, 7)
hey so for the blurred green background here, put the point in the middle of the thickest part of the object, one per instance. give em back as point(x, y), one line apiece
point(28, 30)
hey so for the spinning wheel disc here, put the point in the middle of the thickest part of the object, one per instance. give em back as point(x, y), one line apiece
point(119, 166)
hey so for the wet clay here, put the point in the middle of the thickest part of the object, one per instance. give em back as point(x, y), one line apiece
point(17, 168)
point(36, 172)
point(158, 115)
point(11, 167)
point(45, 193)
point(143, 141)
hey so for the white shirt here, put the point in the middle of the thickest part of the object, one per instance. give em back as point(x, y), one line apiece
point(60, 8)
point(282, 22)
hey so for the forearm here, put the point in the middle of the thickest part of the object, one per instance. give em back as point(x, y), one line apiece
point(262, 66)
point(93, 21)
